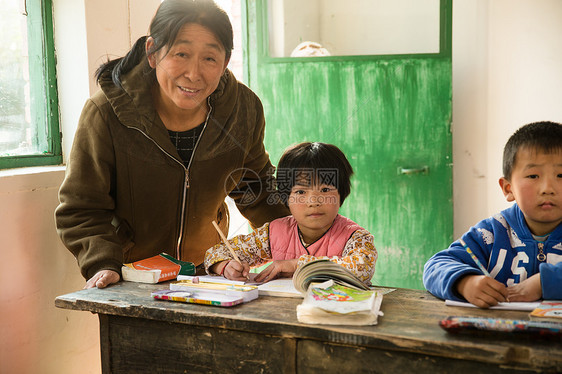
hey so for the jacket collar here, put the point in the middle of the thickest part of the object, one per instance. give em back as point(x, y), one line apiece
point(133, 105)
point(516, 219)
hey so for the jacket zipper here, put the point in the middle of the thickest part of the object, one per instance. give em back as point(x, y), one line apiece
point(186, 184)
point(186, 173)
point(541, 256)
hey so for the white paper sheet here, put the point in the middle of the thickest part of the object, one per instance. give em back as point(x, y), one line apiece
point(523, 306)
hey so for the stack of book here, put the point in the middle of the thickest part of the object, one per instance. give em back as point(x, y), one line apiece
point(156, 269)
point(334, 304)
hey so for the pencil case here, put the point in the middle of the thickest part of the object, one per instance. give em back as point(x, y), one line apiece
point(246, 292)
point(205, 298)
point(502, 326)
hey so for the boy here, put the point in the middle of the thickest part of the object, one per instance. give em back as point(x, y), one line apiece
point(521, 247)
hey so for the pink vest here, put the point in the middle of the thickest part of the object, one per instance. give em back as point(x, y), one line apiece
point(285, 242)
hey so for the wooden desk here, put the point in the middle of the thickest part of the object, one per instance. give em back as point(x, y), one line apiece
point(142, 335)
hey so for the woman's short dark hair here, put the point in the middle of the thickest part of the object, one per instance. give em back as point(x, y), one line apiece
point(170, 17)
point(542, 136)
point(316, 163)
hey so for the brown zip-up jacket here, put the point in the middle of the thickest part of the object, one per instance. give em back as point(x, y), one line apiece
point(127, 194)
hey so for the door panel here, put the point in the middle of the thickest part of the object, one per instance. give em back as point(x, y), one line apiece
point(391, 116)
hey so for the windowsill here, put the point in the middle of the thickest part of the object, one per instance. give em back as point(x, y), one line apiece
point(30, 179)
point(31, 170)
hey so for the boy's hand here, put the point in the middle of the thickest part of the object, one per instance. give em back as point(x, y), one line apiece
point(236, 271)
point(102, 279)
point(277, 269)
point(528, 290)
point(482, 291)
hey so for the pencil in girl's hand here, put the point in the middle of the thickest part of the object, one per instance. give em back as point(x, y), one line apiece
point(226, 243)
point(478, 263)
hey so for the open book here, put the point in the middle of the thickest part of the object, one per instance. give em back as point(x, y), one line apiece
point(322, 270)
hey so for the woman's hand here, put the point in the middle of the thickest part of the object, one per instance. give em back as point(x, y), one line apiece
point(277, 269)
point(482, 291)
point(102, 279)
point(528, 290)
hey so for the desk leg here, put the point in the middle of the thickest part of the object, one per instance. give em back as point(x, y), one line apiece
point(104, 344)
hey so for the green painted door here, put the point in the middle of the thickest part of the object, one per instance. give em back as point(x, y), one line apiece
point(390, 114)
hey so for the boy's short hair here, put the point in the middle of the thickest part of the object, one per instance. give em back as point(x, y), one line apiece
point(315, 163)
point(543, 136)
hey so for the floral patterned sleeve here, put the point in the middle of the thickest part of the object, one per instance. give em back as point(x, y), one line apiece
point(359, 256)
point(252, 248)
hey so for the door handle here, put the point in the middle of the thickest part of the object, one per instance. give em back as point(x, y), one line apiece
point(409, 171)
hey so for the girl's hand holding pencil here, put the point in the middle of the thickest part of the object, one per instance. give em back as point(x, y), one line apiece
point(234, 270)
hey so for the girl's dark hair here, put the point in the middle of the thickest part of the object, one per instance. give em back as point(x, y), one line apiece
point(543, 136)
point(319, 163)
point(170, 17)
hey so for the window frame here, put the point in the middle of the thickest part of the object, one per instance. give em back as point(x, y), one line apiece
point(43, 88)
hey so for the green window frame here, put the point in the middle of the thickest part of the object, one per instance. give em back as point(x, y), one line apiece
point(44, 112)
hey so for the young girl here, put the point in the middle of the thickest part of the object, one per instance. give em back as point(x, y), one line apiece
point(313, 180)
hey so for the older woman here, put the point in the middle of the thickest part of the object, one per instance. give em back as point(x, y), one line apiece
point(170, 134)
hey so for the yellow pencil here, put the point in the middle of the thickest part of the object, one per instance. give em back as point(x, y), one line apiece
point(227, 243)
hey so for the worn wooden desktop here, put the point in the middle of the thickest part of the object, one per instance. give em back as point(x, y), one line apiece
point(142, 335)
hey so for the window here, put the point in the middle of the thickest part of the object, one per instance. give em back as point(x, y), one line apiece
point(313, 28)
point(29, 119)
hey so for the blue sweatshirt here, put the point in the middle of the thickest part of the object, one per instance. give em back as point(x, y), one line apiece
point(505, 246)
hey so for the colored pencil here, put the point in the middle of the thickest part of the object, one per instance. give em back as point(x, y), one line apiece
point(478, 263)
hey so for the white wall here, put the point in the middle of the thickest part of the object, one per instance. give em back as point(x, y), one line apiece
point(506, 72)
point(35, 268)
